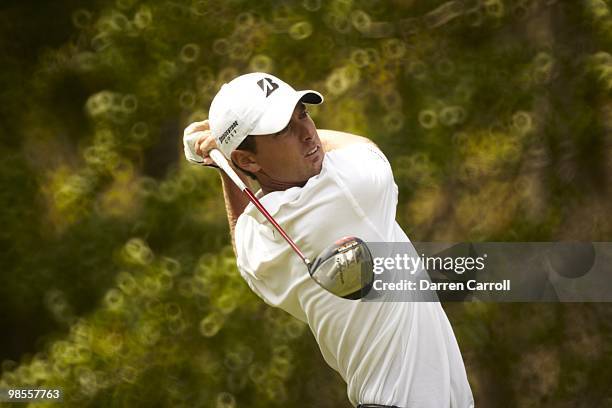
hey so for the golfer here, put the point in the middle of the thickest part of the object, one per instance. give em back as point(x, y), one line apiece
point(321, 185)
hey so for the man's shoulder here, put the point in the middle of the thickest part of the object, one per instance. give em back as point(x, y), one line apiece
point(335, 139)
point(245, 224)
point(333, 132)
point(358, 156)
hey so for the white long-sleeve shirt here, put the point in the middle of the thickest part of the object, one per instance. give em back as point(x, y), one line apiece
point(391, 353)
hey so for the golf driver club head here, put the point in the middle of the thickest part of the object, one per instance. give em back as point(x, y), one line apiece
point(345, 268)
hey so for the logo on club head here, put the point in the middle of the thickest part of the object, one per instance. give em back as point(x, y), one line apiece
point(267, 85)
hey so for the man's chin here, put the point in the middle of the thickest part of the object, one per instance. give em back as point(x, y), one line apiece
point(317, 170)
point(319, 160)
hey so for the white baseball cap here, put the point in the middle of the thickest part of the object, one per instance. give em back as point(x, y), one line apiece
point(253, 104)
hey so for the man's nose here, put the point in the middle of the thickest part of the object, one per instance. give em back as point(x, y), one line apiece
point(305, 135)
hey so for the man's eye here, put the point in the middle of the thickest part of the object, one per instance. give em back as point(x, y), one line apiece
point(303, 114)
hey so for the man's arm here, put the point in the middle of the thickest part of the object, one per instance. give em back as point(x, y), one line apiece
point(235, 200)
point(333, 139)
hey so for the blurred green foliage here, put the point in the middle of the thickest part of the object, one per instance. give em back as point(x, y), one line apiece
point(118, 281)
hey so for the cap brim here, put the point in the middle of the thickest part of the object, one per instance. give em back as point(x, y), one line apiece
point(311, 97)
point(277, 117)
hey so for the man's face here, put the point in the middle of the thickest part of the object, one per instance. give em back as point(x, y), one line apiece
point(291, 156)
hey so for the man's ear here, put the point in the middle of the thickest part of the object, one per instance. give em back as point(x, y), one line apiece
point(245, 160)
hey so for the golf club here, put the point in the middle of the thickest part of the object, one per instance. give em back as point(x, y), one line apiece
point(344, 268)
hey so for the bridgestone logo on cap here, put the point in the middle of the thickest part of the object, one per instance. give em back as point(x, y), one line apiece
point(227, 132)
point(267, 85)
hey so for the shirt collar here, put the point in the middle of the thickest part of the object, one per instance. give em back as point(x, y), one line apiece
point(274, 200)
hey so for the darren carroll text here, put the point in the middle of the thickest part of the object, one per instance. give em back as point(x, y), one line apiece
point(425, 284)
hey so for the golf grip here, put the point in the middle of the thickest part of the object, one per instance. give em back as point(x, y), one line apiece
point(222, 162)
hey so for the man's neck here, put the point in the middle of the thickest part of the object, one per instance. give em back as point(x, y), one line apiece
point(270, 186)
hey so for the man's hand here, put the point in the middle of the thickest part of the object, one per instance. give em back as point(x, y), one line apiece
point(198, 142)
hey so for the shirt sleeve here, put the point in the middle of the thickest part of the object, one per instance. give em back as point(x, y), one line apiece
point(258, 248)
point(366, 175)
point(248, 252)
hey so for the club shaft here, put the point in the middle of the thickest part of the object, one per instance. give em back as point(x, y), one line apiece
point(269, 217)
point(222, 162)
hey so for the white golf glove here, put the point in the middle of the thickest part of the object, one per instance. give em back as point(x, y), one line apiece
point(190, 137)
